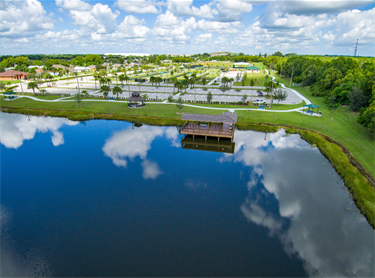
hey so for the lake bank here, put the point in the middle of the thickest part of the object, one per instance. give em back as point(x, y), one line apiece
point(359, 181)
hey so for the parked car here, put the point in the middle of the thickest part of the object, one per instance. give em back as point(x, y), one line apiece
point(260, 94)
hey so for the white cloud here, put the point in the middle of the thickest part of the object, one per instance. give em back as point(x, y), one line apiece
point(20, 19)
point(309, 7)
point(100, 18)
point(173, 135)
point(355, 24)
point(201, 38)
point(76, 5)
point(151, 169)
point(139, 6)
point(17, 128)
point(130, 144)
point(301, 220)
point(183, 8)
point(231, 10)
point(171, 28)
point(132, 27)
point(220, 27)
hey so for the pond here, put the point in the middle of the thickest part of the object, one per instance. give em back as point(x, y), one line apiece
point(107, 198)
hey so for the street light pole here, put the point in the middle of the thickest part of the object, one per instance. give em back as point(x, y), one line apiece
point(78, 85)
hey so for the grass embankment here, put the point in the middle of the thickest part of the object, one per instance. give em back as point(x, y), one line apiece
point(340, 140)
point(273, 107)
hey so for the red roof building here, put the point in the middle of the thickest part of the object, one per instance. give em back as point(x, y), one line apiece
point(13, 74)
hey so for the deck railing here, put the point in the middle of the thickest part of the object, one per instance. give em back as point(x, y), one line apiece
point(213, 131)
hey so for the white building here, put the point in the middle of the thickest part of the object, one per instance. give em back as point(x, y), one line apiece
point(80, 69)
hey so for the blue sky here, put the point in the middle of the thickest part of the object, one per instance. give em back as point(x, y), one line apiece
point(177, 27)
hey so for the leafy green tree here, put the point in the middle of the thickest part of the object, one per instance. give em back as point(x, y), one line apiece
point(117, 90)
point(332, 105)
point(170, 98)
point(43, 91)
point(244, 99)
point(105, 89)
point(2, 86)
point(357, 99)
point(85, 93)
point(179, 104)
point(252, 82)
point(32, 86)
point(204, 80)
point(280, 95)
point(209, 97)
point(367, 117)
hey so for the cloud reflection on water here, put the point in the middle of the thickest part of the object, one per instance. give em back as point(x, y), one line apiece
point(17, 128)
point(312, 219)
point(130, 143)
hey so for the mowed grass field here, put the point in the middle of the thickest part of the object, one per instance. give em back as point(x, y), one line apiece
point(258, 79)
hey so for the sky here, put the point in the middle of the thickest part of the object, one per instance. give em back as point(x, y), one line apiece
point(187, 27)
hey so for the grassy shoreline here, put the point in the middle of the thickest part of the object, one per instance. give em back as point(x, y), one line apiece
point(357, 176)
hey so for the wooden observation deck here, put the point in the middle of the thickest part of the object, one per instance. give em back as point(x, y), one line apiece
point(220, 126)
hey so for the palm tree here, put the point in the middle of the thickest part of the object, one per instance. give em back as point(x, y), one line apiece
point(174, 80)
point(225, 80)
point(33, 86)
point(122, 79)
point(185, 83)
point(180, 85)
point(191, 82)
point(105, 89)
point(96, 77)
point(152, 80)
point(115, 74)
point(85, 93)
point(117, 90)
point(231, 80)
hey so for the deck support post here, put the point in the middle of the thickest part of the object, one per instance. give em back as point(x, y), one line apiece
point(205, 138)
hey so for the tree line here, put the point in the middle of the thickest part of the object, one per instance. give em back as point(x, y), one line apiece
point(342, 80)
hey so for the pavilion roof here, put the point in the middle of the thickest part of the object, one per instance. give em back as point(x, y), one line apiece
point(253, 68)
point(226, 117)
point(311, 105)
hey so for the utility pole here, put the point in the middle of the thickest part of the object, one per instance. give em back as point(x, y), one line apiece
point(271, 93)
point(355, 50)
point(21, 85)
point(195, 89)
point(78, 85)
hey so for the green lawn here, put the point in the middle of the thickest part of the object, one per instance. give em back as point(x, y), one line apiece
point(47, 97)
point(274, 106)
point(258, 78)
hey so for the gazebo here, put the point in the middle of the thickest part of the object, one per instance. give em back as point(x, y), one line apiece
point(10, 95)
point(310, 108)
point(136, 101)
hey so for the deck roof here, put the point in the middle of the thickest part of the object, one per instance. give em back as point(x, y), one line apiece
point(226, 117)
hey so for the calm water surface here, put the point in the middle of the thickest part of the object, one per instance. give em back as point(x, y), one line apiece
point(105, 198)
